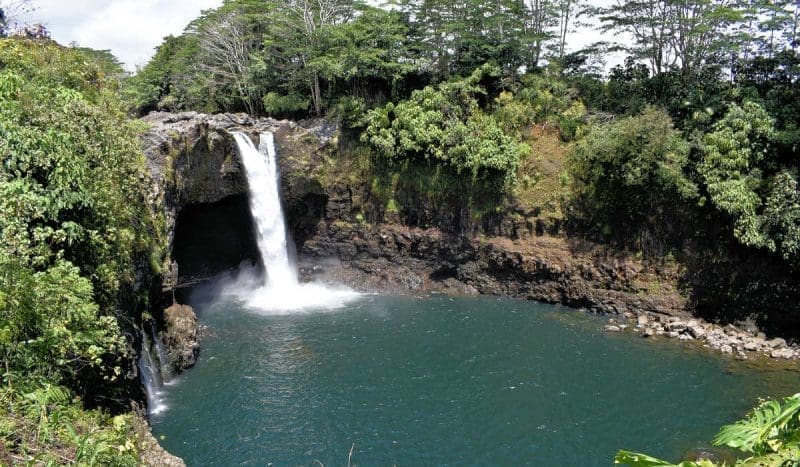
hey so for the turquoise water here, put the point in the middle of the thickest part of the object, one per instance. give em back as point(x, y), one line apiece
point(439, 381)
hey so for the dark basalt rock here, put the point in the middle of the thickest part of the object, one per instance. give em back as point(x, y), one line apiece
point(180, 337)
point(399, 259)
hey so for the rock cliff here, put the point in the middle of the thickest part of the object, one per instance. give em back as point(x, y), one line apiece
point(194, 161)
point(344, 234)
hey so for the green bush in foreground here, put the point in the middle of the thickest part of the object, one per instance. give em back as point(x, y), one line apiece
point(770, 433)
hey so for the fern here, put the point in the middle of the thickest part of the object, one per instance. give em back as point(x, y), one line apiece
point(635, 459)
point(767, 430)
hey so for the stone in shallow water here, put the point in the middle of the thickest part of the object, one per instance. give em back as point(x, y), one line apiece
point(181, 336)
point(782, 353)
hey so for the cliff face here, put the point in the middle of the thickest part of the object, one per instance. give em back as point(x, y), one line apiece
point(195, 163)
point(548, 269)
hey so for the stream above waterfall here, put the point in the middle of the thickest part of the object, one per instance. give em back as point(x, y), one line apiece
point(440, 380)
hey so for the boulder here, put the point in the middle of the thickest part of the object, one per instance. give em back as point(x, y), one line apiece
point(677, 326)
point(696, 329)
point(776, 343)
point(783, 353)
point(751, 345)
point(180, 337)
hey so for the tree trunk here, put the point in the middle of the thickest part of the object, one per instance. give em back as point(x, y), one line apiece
point(317, 95)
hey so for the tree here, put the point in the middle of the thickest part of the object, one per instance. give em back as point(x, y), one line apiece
point(11, 11)
point(224, 57)
point(299, 24)
point(648, 21)
point(457, 36)
point(567, 10)
point(539, 19)
point(667, 33)
point(628, 176)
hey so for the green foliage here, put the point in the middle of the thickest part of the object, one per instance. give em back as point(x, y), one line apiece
point(77, 235)
point(43, 425)
point(771, 432)
point(544, 99)
point(635, 459)
point(277, 104)
point(168, 81)
point(741, 182)
point(71, 185)
point(769, 428)
point(446, 125)
point(51, 329)
point(627, 173)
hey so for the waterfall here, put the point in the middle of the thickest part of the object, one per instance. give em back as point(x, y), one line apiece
point(161, 354)
point(262, 175)
point(151, 378)
point(281, 291)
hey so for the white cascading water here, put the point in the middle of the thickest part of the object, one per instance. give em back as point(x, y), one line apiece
point(282, 292)
point(161, 355)
point(151, 378)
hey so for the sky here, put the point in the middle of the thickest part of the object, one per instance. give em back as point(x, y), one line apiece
point(131, 29)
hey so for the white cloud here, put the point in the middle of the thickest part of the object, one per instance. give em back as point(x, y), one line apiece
point(131, 29)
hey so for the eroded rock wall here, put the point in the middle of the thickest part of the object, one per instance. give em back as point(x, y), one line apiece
point(194, 161)
point(547, 269)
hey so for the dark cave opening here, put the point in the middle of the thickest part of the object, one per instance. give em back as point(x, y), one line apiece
point(214, 238)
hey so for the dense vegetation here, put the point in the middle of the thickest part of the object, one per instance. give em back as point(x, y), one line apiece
point(688, 150)
point(699, 126)
point(77, 235)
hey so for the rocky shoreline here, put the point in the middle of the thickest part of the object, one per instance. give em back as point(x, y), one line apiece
point(639, 296)
point(729, 339)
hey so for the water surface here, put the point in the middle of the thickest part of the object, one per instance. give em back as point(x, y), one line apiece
point(468, 381)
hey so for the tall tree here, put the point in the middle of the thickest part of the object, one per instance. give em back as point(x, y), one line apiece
point(567, 11)
point(648, 22)
point(669, 33)
point(11, 11)
point(302, 21)
point(457, 36)
point(539, 21)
